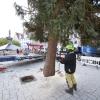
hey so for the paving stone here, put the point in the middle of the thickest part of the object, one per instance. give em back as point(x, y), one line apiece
point(6, 97)
point(52, 88)
point(1, 96)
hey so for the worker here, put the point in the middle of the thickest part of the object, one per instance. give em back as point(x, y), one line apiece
point(69, 62)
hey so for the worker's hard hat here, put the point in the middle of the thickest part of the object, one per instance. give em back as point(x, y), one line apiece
point(70, 47)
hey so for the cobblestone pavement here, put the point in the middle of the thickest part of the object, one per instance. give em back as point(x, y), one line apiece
point(51, 88)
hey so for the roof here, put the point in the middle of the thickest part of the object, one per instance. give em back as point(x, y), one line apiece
point(9, 47)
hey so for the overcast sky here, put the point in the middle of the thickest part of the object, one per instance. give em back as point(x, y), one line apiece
point(8, 17)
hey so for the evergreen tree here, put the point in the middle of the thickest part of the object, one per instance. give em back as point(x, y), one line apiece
point(55, 20)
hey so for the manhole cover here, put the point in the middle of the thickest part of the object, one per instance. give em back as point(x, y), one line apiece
point(28, 78)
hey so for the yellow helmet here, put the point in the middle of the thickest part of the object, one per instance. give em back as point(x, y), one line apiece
point(70, 47)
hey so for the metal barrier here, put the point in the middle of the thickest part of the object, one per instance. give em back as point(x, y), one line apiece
point(87, 60)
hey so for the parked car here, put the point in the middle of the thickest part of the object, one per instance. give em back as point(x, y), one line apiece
point(60, 54)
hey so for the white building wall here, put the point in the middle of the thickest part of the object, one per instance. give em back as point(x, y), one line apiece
point(23, 41)
point(75, 38)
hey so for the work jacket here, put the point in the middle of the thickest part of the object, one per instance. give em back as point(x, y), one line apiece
point(70, 62)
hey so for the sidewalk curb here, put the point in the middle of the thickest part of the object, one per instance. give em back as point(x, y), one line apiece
point(23, 62)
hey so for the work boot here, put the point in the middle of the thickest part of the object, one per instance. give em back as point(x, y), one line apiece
point(70, 91)
point(75, 87)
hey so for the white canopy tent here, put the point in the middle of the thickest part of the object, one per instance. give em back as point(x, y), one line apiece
point(9, 47)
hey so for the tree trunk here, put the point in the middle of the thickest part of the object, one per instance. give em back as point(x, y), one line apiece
point(49, 67)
